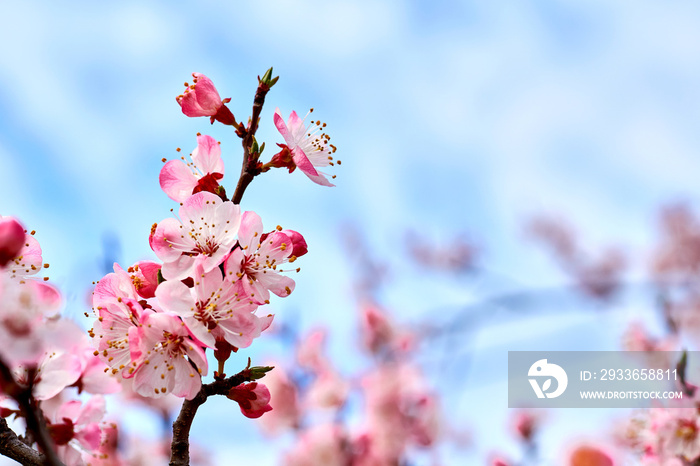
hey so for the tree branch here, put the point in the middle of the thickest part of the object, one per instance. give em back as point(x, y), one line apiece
point(180, 447)
point(250, 160)
point(12, 447)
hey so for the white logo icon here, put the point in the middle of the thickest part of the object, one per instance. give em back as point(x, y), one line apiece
point(543, 369)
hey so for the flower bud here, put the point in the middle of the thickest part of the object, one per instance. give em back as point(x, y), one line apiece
point(299, 247)
point(253, 398)
point(11, 240)
point(202, 99)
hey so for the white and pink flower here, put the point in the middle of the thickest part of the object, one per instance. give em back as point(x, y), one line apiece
point(114, 331)
point(308, 146)
point(214, 308)
point(180, 179)
point(260, 254)
point(203, 236)
point(162, 350)
point(76, 430)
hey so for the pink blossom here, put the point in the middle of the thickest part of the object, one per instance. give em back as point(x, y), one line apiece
point(380, 334)
point(29, 261)
point(310, 353)
point(180, 179)
point(253, 399)
point(328, 390)
point(144, 277)
point(322, 445)
point(114, 287)
point(286, 411)
point(11, 239)
point(308, 145)
point(75, 429)
point(214, 308)
point(257, 259)
point(202, 99)
point(114, 331)
point(525, 425)
point(24, 307)
point(400, 411)
point(56, 371)
point(94, 377)
point(498, 461)
point(165, 350)
point(204, 235)
point(299, 247)
point(679, 432)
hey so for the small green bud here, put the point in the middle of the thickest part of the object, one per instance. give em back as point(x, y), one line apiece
point(267, 78)
point(258, 372)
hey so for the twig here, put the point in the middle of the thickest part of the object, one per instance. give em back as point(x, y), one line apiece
point(12, 447)
point(249, 169)
point(180, 447)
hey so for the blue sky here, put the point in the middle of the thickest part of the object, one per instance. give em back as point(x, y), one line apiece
point(449, 116)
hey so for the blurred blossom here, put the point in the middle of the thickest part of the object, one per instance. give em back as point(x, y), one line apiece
point(599, 277)
point(459, 255)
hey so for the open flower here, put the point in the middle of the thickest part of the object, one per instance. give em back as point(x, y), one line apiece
point(163, 349)
point(202, 99)
point(180, 179)
point(114, 331)
point(308, 145)
point(76, 429)
point(260, 254)
point(204, 235)
point(214, 308)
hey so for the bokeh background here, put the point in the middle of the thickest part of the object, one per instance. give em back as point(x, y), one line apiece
point(450, 117)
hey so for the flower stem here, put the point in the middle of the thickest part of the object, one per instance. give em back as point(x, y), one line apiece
point(250, 170)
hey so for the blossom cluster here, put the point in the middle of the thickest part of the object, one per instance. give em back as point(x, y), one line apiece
point(46, 353)
point(216, 270)
point(401, 412)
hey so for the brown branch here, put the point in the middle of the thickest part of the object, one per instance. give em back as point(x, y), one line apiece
point(180, 447)
point(36, 424)
point(12, 447)
point(250, 169)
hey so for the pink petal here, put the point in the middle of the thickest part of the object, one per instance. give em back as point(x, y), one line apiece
point(11, 239)
point(168, 231)
point(56, 374)
point(282, 127)
point(250, 231)
point(207, 96)
point(90, 436)
point(191, 107)
point(177, 180)
point(93, 411)
point(207, 155)
point(280, 285)
point(174, 296)
point(178, 269)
